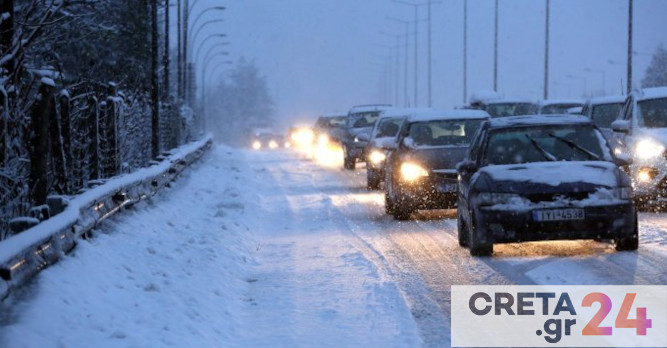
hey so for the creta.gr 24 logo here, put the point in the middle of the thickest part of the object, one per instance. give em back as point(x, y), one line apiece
point(559, 316)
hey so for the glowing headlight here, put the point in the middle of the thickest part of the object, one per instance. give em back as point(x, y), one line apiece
point(377, 157)
point(256, 145)
point(322, 140)
point(646, 174)
point(273, 144)
point(648, 148)
point(412, 172)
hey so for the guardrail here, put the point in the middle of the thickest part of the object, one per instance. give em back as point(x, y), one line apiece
point(25, 254)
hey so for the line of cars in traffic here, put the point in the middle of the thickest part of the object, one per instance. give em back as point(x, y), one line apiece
point(554, 174)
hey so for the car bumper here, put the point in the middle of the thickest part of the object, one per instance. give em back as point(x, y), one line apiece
point(429, 195)
point(608, 221)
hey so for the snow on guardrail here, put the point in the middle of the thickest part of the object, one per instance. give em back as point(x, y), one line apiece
point(25, 254)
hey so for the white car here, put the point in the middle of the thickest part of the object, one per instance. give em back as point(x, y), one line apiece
point(641, 132)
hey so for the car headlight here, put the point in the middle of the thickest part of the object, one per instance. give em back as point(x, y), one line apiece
point(256, 145)
point(273, 144)
point(412, 172)
point(646, 174)
point(648, 148)
point(493, 198)
point(377, 157)
point(322, 140)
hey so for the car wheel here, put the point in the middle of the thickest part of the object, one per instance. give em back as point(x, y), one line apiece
point(462, 230)
point(402, 207)
point(477, 248)
point(630, 242)
point(372, 179)
point(348, 162)
point(388, 204)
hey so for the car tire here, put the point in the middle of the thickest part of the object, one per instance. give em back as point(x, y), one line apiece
point(462, 230)
point(477, 248)
point(372, 179)
point(348, 162)
point(626, 243)
point(401, 213)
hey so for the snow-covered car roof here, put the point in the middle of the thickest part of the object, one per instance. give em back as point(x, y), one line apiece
point(510, 101)
point(367, 108)
point(399, 112)
point(448, 114)
point(530, 120)
point(651, 93)
point(483, 96)
point(606, 100)
point(559, 101)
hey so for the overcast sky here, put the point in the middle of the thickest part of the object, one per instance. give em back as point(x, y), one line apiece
point(322, 56)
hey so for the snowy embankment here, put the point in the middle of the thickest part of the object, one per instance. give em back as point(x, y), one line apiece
point(25, 254)
point(244, 253)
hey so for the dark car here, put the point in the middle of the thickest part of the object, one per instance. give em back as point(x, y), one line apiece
point(420, 173)
point(328, 128)
point(355, 134)
point(384, 138)
point(530, 178)
point(265, 140)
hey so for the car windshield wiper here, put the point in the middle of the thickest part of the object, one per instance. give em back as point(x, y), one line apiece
point(573, 145)
point(543, 152)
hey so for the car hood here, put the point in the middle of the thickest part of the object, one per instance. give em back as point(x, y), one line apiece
point(438, 158)
point(548, 177)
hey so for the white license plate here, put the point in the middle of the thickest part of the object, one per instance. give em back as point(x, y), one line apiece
point(558, 214)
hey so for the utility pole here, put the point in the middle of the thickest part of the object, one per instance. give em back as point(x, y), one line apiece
point(629, 83)
point(186, 14)
point(465, 51)
point(495, 51)
point(546, 54)
point(165, 57)
point(428, 62)
point(179, 53)
point(155, 90)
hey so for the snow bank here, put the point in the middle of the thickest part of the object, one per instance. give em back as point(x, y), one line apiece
point(21, 255)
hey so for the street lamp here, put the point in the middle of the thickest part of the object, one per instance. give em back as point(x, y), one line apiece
point(199, 48)
point(207, 61)
point(210, 21)
point(203, 43)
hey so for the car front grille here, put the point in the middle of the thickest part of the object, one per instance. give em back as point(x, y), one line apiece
point(550, 197)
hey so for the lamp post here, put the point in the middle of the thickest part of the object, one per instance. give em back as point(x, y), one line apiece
point(465, 51)
point(186, 28)
point(416, 6)
point(546, 53)
point(629, 83)
point(407, 35)
point(495, 49)
point(198, 31)
point(191, 79)
point(207, 61)
point(203, 43)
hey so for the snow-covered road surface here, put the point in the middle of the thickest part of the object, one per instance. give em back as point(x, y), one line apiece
point(270, 249)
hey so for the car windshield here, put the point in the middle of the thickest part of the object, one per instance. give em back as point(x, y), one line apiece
point(604, 114)
point(508, 109)
point(560, 108)
point(331, 122)
point(443, 132)
point(545, 143)
point(388, 127)
point(363, 119)
point(653, 113)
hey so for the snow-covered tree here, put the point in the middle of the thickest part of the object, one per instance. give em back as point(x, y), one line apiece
point(241, 103)
point(656, 73)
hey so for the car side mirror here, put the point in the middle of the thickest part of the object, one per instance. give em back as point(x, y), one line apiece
point(364, 137)
point(408, 142)
point(466, 166)
point(621, 126)
point(622, 159)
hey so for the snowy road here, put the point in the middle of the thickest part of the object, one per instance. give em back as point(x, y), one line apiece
point(270, 249)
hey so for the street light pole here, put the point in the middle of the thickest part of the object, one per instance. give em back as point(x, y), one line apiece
point(179, 49)
point(155, 83)
point(629, 82)
point(495, 50)
point(465, 51)
point(546, 54)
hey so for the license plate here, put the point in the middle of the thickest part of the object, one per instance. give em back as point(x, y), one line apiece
point(448, 187)
point(558, 214)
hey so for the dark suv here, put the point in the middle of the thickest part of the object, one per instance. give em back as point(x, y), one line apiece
point(543, 178)
point(420, 173)
point(357, 130)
